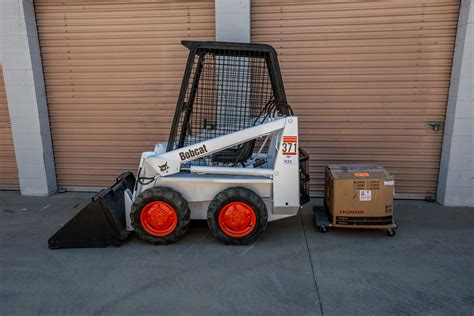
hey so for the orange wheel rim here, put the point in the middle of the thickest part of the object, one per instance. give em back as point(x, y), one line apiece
point(237, 219)
point(158, 218)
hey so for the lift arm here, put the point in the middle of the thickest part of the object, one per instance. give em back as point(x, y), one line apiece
point(170, 162)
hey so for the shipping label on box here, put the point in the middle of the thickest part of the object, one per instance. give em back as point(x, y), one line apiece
point(365, 195)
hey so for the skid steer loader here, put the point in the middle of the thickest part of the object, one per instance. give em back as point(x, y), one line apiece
point(232, 158)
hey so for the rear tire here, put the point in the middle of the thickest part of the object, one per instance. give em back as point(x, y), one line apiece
point(160, 215)
point(237, 216)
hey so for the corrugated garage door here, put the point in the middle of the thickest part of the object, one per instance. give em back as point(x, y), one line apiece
point(367, 79)
point(8, 169)
point(113, 71)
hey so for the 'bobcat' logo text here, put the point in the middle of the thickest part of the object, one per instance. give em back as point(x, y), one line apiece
point(193, 152)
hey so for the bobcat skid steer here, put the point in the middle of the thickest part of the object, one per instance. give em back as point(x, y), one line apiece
point(232, 158)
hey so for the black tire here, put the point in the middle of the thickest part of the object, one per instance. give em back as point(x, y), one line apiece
point(243, 195)
point(391, 232)
point(169, 196)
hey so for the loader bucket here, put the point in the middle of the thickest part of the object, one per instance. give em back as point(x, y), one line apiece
point(100, 223)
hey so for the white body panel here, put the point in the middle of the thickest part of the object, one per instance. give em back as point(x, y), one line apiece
point(233, 171)
point(286, 171)
point(277, 184)
point(128, 205)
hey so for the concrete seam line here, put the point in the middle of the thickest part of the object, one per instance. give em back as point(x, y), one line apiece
point(312, 266)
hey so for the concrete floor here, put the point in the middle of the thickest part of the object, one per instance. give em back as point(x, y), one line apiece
point(427, 268)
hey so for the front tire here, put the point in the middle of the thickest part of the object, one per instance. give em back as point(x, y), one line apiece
point(237, 216)
point(160, 215)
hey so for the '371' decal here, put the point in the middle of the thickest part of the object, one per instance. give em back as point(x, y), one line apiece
point(289, 145)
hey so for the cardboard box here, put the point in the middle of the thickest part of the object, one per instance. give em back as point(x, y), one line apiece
point(359, 196)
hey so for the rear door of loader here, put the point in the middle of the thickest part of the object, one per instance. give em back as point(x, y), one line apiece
point(369, 80)
point(112, 72)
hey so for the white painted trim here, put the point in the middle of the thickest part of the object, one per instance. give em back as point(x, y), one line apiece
point(26, 97)
point(456, 174)
point(233, 20)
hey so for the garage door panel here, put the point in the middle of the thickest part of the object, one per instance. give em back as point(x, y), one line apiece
point(114, 106)
point(432, 69)
point(124, 101)
point(296, 98)
point(166, 26)
point(100, 55)
point(344, 11)
point(368, 85)
point(355, 51)
point(131, 41)
point(369, 24)
point(118, 83)
point(375, 29)
point(117, 86)
point(128, 9)
point(113, 70)
point(94, 37)
point(413, 109)
point(351, 38)
point(392, 42)
point(165, 17)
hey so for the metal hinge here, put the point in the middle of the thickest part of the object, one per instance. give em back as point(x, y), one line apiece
point(435, 126)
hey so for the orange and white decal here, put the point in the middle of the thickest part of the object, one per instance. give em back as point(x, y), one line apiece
point(361, 174)
point(289, 145)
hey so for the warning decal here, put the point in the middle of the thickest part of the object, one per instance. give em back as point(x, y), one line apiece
point(289, 145)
